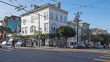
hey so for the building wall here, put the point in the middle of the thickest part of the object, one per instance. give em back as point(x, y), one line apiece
point(57, 23)
point(36, 23)
point(49, 22)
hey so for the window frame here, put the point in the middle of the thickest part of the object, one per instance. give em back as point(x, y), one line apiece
point(45, 16)
point(32, 28)
point(23, 30)
point(65, 19)
point(56, 16)
point(46, 27)
point(61, 19)
point(26, 31)
point(24, 21)
point(51, 15)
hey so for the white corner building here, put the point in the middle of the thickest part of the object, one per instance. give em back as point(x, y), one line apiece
point(51, 18)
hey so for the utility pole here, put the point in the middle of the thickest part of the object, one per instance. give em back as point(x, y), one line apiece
point(77, 20)
point(39, 28)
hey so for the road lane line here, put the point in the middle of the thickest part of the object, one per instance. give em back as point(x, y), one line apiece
point(5, 50)
point(102, 60)
point(95, 50)
point(104, 57)
point(105, 51)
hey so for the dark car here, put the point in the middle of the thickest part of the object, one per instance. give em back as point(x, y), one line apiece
point(98, 46)
point(89, 46)
point(20, 44)
point(79, 45)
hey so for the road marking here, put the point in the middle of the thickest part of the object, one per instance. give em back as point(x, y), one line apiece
point(5, 50)
point(105, 57)
point(105, 51)
point(95, 50)
point(102, 60)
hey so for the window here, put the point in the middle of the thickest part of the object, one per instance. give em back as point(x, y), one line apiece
point(24, 21)
point(17, 19)
point(58, 6)
point(56, 16)
point(61, 18)
point(32, 19)
point(51, 15)
point(26, 30)
point(64, 19)
point(32, 29)
point(46, 27)
point(22, 30)
point(45, 15)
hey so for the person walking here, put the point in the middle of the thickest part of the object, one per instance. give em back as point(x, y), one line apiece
point(31, 43)
point(13, 44)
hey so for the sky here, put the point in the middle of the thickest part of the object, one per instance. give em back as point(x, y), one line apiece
point(94, 12)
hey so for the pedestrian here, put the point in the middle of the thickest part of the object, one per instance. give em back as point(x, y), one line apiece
point(31, 43)
point(13, 44)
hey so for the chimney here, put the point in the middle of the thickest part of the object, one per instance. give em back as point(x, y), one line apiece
point(58, 5)
point(33, 7)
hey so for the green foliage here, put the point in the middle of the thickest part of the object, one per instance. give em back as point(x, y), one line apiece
point(66, 31)
point(13, 36)
point(103, 38)
point(6, 29)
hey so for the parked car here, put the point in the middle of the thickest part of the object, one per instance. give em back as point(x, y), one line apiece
point(0, 45)
point(20, 44)
point(9, 43)
point(98, 46)
point(79, 45)
point(73, 46)
point(89, 46)
point(4, 43)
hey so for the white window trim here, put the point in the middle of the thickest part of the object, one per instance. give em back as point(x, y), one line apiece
point(45, 16)
point(56, 16)
point(51, 15)
point(46, 27)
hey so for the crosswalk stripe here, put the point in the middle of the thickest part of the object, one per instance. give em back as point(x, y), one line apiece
point(105, 51)
point(102, 60)
point(104, 57)
point(95, 50)
point(5, 50)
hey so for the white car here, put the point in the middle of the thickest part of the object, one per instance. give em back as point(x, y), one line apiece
point(0, 45)
point(9, 42)
point(4, 43)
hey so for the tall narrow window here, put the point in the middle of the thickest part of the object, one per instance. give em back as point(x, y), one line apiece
point(64, 19)
point(46, 27)
point(56, 16)
point(32, 29)
point(45, 15)
point(24, 21)
point(51, 15)
point(60, 17)
point(26, 29)
point(22, 30)
point(32, 19)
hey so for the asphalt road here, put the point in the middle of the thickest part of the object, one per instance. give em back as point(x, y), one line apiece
point(40, 55)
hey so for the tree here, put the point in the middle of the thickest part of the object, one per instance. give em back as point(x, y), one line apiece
point(66, 32)
point(6, 29)
point(95, 38)
point(13, 36)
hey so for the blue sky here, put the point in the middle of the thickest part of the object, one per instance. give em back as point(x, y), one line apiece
point(95, 12)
